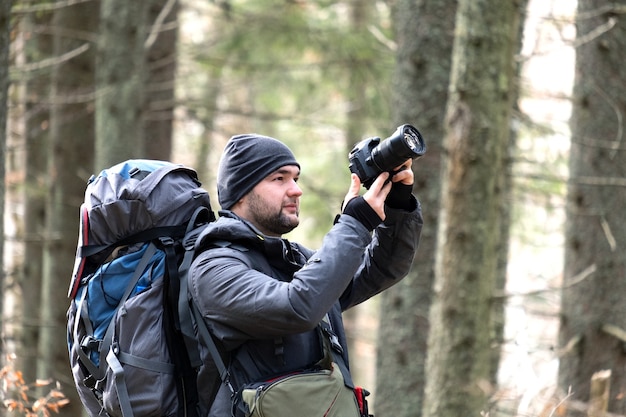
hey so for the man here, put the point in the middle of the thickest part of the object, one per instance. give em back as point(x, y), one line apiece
point(262, 296)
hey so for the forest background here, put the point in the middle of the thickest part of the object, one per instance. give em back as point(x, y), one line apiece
point(513, 305)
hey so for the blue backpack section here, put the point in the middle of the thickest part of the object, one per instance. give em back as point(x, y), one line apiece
point(125, 169)
point(108, 284)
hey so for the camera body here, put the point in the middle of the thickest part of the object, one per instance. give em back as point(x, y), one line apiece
point(371, 157)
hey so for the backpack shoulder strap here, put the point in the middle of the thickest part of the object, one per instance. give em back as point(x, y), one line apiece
point(198, 223)
point(252, 257)
point(255, 260)
point(333, 349)
point(180, 335)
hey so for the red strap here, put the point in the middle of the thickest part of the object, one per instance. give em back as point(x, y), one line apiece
point(360, 394)
point(84, 237)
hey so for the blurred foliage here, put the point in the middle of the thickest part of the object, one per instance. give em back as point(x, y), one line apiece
point(28, 399)
point(282, 69)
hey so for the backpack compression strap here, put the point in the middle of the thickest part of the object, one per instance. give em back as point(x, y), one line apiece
point(143, 236)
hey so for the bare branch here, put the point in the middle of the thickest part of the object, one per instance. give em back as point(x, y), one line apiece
point(556, 407)
point(158, 23)
point(47, 7)
point(606, 181)
point(606, 228)
point(577, 279)
point(384, 40)
point(49, 62)
point(598, 31)
point(607, 8)
point(616, 332)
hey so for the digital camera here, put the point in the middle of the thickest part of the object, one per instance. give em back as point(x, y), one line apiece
point(371, 157)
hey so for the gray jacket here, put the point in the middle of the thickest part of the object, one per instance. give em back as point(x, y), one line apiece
point(263, 297)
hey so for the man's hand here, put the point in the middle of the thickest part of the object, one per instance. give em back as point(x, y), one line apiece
point(404, 173)
point(378, 192)
point(375, 196)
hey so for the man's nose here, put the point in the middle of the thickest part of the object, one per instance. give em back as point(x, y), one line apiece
point(295, 189)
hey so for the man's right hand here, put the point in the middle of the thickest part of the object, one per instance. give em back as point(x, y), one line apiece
point(375, 196)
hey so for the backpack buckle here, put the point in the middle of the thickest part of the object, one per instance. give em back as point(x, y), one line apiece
point(166, 241)
point(91, 343)
point(90, 382)
point(333, 339)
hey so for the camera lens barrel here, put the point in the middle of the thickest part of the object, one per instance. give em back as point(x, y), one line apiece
point(405, 143)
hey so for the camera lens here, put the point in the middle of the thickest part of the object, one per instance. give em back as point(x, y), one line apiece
point(405, 143)
point(411, 136)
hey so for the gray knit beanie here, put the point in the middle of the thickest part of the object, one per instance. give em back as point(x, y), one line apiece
point(246, 160)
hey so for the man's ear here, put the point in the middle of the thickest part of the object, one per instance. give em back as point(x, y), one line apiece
point(238, 206)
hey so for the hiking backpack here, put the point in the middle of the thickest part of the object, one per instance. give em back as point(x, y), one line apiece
point(131, 340)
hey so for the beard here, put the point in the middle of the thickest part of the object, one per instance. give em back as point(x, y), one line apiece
point(270, 220)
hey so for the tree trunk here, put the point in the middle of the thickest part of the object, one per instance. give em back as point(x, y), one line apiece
point(71, 145)
point(203, 151)
point(361, 331)
point(120, 82)
point(35, 140)
point(476, 138)
point(498, 321)
point(5, 41)
point(593, 319)
point(424, 32)
point(160, 98)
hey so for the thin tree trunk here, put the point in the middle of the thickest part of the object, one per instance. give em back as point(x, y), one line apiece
point(477, 135)
point(36, 141)
point(160, 98)
point(120, 82)
point(359, 336)
point(203, 152)
point(506, 207)
point(69, 159)
point(5, 41)
point(424, 35)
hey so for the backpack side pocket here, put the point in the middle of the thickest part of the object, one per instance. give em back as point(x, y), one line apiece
point(140, 347)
